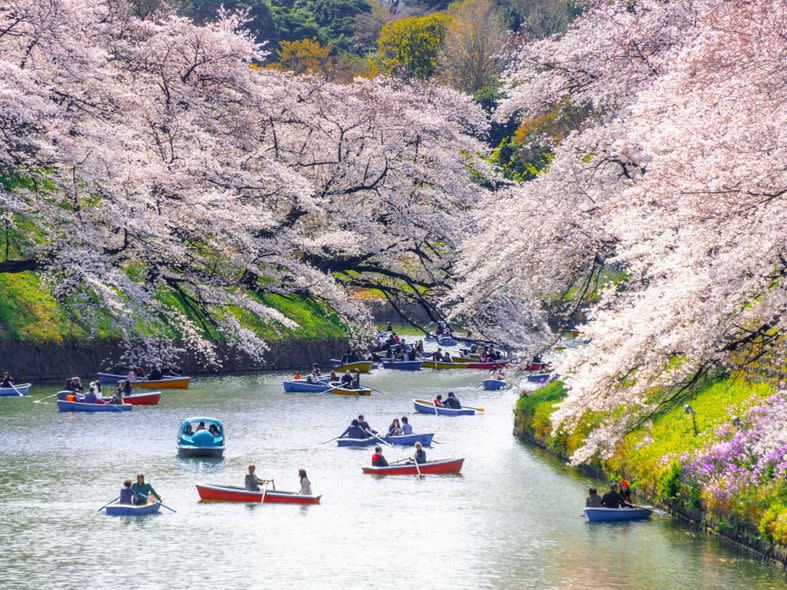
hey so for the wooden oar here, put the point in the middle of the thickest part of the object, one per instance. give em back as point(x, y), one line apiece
point(418, 469)
point(38, 401)
point(167, 507)
point(472, 408)
point(264, 491)
point(329, 440)
point(376, 390)
point(378, 438)
point(108, 503)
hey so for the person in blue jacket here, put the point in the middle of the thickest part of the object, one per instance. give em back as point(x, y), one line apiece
point(126, 493)
point(452, 401)
point(354, 431)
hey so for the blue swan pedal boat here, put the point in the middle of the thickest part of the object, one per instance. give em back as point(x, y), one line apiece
point(201, 443)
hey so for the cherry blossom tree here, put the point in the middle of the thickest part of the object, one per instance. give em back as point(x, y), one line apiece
point(676, 183)
point(156, 161)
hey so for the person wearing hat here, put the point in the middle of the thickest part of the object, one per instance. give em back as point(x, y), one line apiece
point(625, 492)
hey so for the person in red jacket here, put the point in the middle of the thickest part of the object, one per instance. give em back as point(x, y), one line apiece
point(377, 459)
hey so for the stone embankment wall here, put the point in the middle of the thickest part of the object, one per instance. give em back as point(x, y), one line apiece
point(53, 362)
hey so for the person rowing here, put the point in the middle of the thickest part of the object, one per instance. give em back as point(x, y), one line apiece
point(356, 380)
point(347, 379)
point(452, 402)
point(378, 460)
point(420, 455)
point(354, 431)
point(612, 499)
point(156, 374)
point(143, 491)
point(8, 381)
point(252, 482)
point(368, 430)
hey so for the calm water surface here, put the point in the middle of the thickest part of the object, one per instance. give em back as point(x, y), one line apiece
point(511, 520)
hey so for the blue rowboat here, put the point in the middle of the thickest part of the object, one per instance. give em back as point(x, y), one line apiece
point(616, 514)
point(427, 407)
point(403, 365)
point(201, 443)
point(494, 384)
point(540, 377)
point(405, 439)
point(133, 509)
point(22, 388)
point(446, 341)
point(302, 386)
point(66, 406)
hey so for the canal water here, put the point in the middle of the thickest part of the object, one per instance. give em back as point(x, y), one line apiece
point(510, 520)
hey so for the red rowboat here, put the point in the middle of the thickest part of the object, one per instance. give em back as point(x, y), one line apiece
point(137, 399)
point(533, 366)
point(215, 493)
point(445, 466)
point(487, 365)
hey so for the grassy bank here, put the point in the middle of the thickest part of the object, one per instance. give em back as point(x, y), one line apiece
point(720, 471)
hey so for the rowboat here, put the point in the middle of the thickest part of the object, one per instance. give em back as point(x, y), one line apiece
point(338, 390)
point(617, 514)
point(494, 384)
point(137, 399)
point(360, 366)
point(446, 341)
point(487, 365)
point(133, 509)
point(427, 407)
point(443, 365)
point(538, 377)
point(164, 383)
point(216, 493)
point(405, 439)
point(445, 466)
point(66, 406)
point(201, 443)
point(22, 388)
point(303, 386)
point(536, 366)
point(403, 365)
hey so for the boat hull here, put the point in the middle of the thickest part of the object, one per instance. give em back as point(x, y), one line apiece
point(298, 386)
point(487, 365)
point(443, 365)
point(403, 365)
point(191, 451)
point(494, 384)
point(538, 377)
point(446, 341)
point(217, 493)
point(166, 383)
point(405, 440)
point(343, 391)
point(138, 399)
point(65, 406)
point(430, 467)
point(132, 509)
point(22, 388)
point(427, 407)
point(616, 514)
point(360, 366)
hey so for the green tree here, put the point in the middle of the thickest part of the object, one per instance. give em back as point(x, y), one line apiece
point(409, 47)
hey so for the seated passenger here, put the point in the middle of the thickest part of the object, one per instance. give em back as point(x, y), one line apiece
point(90, 397)
point(452, 401)
point(356, 380)
point(593, 500)
point(395, 429)
point(333, 376)
point(406, 428)
point(155, 374)
point(447, 357)
point(347, 379)
point(306, 485)
point(438, 401)
point(126, 493)
point(377, 459)
point(214, 430)
point(189, 430)
point(437, 355)
point(127, 387)
point(117, 397)
point(200, 426)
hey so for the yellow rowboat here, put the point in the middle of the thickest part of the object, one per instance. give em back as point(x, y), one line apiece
point(444, 365)
point(343, 391)
point(465, 359)
point(360, 366)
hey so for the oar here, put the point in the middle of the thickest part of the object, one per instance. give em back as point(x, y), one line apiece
point(329, 440)
point(264, 491)
point(167, 507)
point(472, 408)
point(378, 438)
point(38, 401)
point(418, 469)
point(108, 503)
point(376, 390)
point(19, 393)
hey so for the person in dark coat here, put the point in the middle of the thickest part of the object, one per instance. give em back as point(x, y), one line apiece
point(368, 430)
point(354, 431)
point(593, 500)
point(452, 401)
point(612, 499)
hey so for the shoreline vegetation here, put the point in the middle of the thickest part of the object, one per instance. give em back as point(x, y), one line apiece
point(681, 462)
